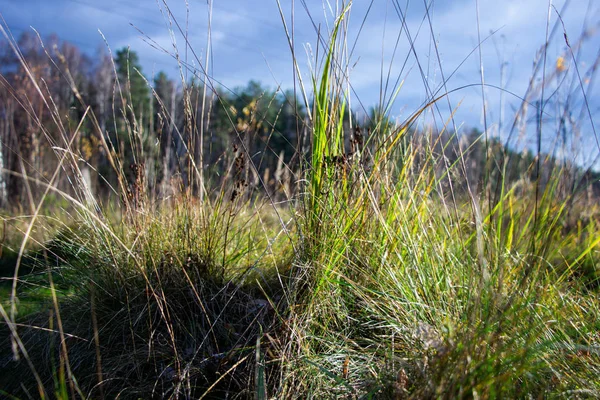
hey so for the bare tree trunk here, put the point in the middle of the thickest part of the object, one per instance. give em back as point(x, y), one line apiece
point(166, 176)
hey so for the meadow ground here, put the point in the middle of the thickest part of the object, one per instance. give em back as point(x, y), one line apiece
point(387, 274)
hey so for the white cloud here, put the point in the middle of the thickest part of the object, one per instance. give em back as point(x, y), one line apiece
point(249, 41)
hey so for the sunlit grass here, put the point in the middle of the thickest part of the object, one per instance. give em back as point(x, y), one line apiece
point(385, 276)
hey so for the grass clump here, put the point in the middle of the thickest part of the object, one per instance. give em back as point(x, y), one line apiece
point(164, 304)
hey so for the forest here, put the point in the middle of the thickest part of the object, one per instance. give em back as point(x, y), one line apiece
point(147, 125)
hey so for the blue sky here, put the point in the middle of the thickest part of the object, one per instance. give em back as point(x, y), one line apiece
point(248, 42)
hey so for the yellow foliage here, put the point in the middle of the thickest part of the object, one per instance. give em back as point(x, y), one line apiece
point(560, 64)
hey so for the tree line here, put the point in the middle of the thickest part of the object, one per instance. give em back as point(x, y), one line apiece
point(97, 126)
point(113, 126)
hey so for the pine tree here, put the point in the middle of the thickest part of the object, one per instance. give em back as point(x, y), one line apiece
point(130, 75)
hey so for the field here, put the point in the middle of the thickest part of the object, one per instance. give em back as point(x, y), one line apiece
point(381, 260)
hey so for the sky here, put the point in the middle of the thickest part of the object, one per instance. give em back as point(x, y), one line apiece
point(439, 42)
